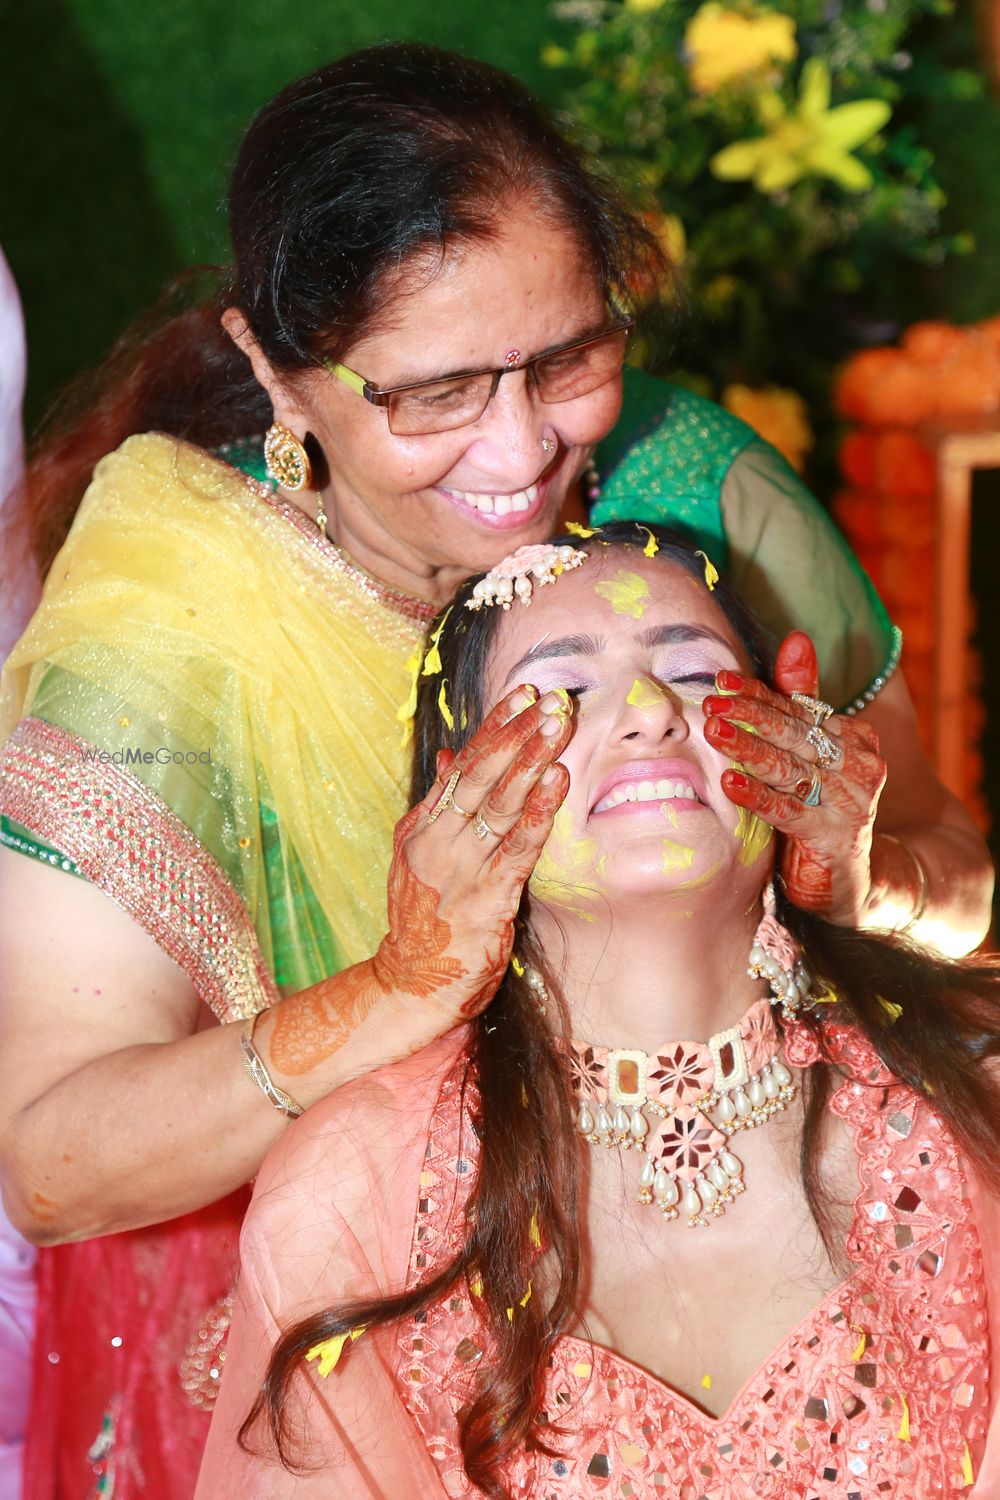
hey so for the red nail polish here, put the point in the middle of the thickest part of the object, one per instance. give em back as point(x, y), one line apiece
point(716, 707)
point(738, 781)
point(731, 682)
point(723, 730)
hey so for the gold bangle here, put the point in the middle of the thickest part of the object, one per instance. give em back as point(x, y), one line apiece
point(253, 1066)
point(923, 884)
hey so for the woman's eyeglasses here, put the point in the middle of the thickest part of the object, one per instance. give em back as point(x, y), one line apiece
point(560, 374)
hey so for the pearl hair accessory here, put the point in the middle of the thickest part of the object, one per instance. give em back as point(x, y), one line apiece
point(515, 576)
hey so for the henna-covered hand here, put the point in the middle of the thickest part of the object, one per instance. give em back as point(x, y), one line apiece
point(453, 895)
point(825, 860)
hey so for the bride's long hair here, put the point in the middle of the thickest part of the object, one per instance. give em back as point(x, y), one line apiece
point(529, 1173)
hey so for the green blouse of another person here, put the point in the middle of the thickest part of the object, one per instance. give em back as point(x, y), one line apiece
point(676, 458)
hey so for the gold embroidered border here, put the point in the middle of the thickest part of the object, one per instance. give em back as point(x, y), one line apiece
point(135, 849)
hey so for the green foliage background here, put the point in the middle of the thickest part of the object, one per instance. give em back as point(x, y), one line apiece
point(119, 121)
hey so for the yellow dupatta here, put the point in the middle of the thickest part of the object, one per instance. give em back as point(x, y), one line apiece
point(202, 715)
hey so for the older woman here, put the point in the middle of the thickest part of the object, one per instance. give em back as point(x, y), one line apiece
point(656, 1222)
point(425, 310)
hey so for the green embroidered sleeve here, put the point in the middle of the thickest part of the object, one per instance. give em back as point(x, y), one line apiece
point(796, 571)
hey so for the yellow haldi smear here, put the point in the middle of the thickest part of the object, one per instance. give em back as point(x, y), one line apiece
point(696, 883)
point(753, 835)
point(676, 856)
point(644, 693)
point(627, 593)
point(566, 867)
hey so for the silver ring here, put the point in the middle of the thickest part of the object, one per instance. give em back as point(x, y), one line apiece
point(828, 751)
point(811, 798)
point(482, 828)
point(815, 706)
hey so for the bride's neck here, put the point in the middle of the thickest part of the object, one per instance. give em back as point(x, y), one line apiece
point(634, 980)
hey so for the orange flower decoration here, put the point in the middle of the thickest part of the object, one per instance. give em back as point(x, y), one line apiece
point(778, 415)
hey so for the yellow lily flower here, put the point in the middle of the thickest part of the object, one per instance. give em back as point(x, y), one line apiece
point(725, 45)
point(812, 140)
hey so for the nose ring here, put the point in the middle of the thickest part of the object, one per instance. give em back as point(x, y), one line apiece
point(547, 445)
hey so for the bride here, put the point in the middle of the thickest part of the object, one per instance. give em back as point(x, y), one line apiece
point(699, 1203)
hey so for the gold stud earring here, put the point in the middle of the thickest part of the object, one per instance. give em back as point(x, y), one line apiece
point(286, 458)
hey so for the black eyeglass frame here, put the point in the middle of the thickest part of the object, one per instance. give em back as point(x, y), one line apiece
point(381, 395)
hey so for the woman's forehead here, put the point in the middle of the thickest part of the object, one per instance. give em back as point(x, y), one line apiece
point(618, 593)
point(528, 280)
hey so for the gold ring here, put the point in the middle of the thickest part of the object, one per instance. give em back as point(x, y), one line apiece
point(483, 829)
point(820, 710)
point(446, 802)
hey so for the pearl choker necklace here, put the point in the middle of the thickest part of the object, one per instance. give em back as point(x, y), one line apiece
point(699, 1094)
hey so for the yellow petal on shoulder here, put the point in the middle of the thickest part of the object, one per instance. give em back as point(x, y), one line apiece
point(859, 1347)
point(575, 529)
point(652, 547)
point(517, 965)
point(711, 571)
point(329, 1351)
point(903, 1430)
point(706, 1382)
point(534, 1233)
point(968, 1475)
point(892, 1010)
point(443, 709)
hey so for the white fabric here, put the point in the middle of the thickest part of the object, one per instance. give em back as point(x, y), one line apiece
point(19, 582)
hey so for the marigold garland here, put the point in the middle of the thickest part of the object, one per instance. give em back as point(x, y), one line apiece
point(938, 373)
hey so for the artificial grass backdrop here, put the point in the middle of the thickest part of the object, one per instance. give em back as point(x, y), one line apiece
point(120, 121)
